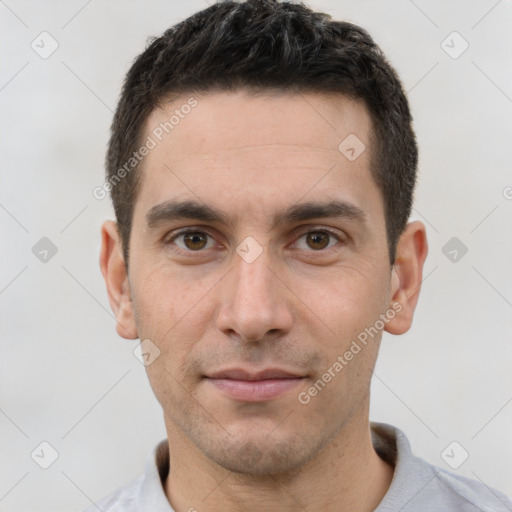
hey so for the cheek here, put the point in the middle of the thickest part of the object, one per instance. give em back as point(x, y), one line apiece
point(172, 311)
point(165, 298)
point(349, 302)
point(155, 306)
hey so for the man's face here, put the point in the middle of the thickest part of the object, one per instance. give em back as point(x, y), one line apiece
point(257, 289)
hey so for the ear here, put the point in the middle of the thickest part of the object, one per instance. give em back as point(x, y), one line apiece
point(114, 272)
point(406, 276)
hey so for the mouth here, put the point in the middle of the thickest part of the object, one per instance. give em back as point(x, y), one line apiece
point(248, 386)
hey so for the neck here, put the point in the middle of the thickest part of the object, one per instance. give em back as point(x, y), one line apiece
point(346, 475)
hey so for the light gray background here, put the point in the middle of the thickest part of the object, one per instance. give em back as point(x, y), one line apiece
point(67, 378)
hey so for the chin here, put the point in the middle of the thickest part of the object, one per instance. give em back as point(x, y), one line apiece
point(263, 456)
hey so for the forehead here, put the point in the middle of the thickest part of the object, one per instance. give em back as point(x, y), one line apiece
point(230, 120)
point(233, 147)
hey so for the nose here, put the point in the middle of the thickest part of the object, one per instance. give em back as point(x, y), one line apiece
point(255, 302)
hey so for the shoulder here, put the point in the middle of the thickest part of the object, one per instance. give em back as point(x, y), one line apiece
point(468, 494)
point(146, 492)
point(419, 486)
point(121, 500)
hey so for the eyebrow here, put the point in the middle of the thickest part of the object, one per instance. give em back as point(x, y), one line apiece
point(175, 210)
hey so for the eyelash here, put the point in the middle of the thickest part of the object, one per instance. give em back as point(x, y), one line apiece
point(189, 252)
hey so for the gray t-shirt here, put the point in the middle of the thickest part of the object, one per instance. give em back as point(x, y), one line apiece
point(417, 486)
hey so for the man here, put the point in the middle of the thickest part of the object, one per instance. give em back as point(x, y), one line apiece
point(262, 165)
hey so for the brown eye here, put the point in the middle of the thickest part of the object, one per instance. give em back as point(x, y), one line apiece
point(318, 239)
point(192, 241)
point(195, 240)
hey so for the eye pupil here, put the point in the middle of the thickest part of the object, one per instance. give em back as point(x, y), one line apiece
point(318, 240)
point(195, 241)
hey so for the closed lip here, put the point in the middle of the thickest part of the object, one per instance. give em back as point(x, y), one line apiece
point(243, 374)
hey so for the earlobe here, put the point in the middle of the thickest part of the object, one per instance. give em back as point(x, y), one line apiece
point(114, 273)
point(406, 276)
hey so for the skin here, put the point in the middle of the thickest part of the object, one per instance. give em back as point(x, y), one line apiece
point(296, 306)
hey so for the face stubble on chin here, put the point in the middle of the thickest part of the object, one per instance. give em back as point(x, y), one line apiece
point(291, 308)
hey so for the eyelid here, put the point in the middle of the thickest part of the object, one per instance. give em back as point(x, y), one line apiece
point(308, 228)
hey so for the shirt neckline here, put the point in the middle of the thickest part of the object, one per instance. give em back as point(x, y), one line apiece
point(390, 443)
